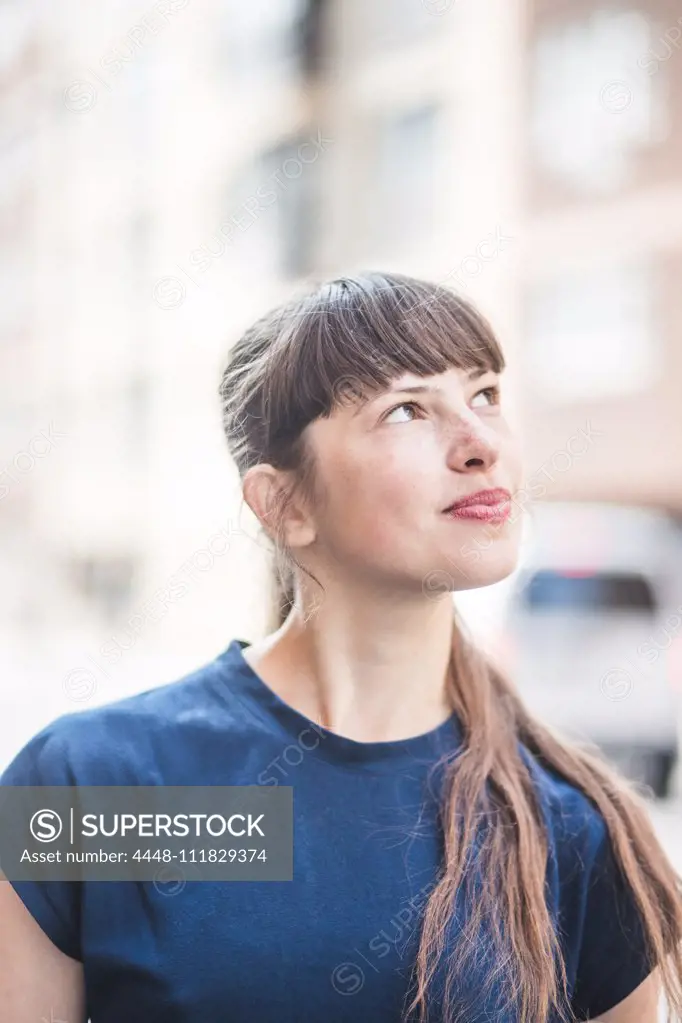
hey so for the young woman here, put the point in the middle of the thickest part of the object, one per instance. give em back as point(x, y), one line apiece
point(454, 859)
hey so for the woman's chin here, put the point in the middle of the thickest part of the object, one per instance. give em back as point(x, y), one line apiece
point(483, 568)
point(483, 576)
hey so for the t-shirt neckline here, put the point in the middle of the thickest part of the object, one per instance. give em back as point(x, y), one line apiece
point(244, 682)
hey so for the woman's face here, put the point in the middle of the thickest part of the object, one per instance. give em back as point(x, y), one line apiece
point(389, 467)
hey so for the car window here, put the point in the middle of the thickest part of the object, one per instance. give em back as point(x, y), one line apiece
point(600, 591)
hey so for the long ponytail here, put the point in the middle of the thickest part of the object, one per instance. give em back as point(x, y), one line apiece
point(492, 781)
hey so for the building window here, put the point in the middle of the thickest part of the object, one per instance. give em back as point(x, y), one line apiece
point(105, 582)
point(311, 37)
point(262, 36)
point(135, 407)
point(592, 335)
point(403, 178)
point(272, 212)
point(384, 24)
point(593, 104)
point(295, 183)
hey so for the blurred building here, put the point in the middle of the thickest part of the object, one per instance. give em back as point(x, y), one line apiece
point(169, 170)
point(602, 317)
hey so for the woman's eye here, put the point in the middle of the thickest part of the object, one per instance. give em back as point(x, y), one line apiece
point(492, 393)
point(397, 408)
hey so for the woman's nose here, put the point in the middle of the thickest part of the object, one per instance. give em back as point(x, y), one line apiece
point(472, 447)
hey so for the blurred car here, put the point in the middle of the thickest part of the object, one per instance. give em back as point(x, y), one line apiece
point(591, 637)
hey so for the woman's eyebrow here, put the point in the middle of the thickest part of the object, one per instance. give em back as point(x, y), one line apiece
point(473, 374)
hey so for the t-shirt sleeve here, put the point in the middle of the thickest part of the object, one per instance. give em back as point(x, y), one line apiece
point(614, 957)
point(54, 905)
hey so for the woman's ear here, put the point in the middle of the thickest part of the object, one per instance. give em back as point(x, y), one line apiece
point(278, 506)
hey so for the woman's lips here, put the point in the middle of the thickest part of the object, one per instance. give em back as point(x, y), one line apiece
point(482, 512)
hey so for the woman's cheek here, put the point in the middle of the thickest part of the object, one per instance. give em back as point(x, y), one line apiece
point(386, 516)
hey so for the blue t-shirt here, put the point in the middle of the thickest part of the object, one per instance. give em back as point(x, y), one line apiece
point(337, 943)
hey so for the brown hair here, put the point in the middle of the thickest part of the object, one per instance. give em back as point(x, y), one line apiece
point(346, 339)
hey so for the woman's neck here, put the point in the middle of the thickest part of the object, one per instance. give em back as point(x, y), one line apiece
point(368, 680)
